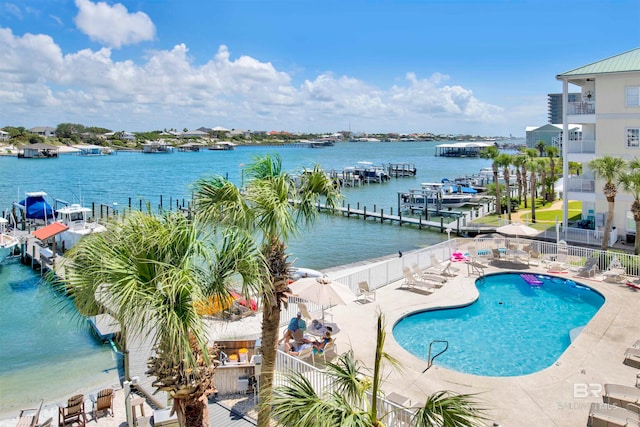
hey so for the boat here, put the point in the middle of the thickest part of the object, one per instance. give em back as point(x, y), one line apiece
point(35, 207)
point(75, 217)
point(222, 146)
point(433, 193)
point(7, 241)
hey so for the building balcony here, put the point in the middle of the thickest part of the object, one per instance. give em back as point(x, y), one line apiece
point(582, 146)
point(580, 108)
point(581, 184)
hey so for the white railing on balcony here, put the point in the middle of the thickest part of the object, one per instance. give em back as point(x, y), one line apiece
point(582, 146)
point(582, 185)
point(584, 107)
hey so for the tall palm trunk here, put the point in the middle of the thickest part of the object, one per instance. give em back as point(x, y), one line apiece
point(276, 259)
point(635, 209)
point(497, 185)
point(533, 196)
point(519, 182)
point(507, 189)
point(610, 192)
point(552, 162)
point(524, 184)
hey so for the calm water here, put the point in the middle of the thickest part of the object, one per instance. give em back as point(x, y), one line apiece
point(27, 356)
point(512, 329)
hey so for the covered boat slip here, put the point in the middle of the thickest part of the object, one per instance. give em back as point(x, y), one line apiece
point(461, 149)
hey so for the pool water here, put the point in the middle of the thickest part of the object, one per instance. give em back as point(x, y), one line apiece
point(513, 328)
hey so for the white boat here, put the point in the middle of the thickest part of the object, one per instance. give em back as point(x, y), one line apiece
point(7, 241)
point(75, 217)
point(436, 194)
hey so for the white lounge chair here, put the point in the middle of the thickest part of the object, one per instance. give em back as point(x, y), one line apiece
point(444, 268)
point(615, 273)
point(426, 275)
point(412, 283)
point(620, 395)
point(602, 414)
point(632, 357)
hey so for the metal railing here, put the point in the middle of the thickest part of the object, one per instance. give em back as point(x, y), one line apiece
point(584, 107)
point(582, 185)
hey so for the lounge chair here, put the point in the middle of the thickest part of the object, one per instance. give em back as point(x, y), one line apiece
point(601, 414)
point(419, 274)
point(615, 275)
point(411, 283)
point(29, 417)
point(365, 292)
point(474, 267)
point(620, 395)
point(444, 268)
point(535, 258)
point(590, 268)
point(632, 357)
point(73, 412)
point(102, 402)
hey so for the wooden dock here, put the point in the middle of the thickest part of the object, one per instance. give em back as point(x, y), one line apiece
point(376, 215)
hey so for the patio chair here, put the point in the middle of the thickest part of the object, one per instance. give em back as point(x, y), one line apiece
point(615, 275)
point(496, 255)
point(411, 283)
point(601, 414)
point(102, 402)
point(560, 264)
point(73, 412)
point(29, 417)
point(590, 268)
point(620, 395)
point(365, 292)
point(535, 258)
point(632, 357)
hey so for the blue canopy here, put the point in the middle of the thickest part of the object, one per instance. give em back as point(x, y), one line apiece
point(36, 207)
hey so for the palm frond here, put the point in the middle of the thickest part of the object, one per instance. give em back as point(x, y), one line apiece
point(446, 409)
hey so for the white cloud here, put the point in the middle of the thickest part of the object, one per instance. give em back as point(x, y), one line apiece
point(113, 25)
point(169, 90)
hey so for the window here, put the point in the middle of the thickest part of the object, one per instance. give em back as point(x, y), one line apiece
point(633, 137)
point(632, 96)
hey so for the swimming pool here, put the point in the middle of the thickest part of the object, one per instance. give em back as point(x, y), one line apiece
point(514, 328)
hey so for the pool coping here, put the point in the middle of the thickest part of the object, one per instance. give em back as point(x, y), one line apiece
point(553, 396)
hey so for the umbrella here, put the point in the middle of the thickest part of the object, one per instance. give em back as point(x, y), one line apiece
point(518, 229)
point(322, 291)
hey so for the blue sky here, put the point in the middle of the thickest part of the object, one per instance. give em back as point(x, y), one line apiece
point(478, 67)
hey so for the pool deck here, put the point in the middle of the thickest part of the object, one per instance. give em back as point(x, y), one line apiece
point(544, 398)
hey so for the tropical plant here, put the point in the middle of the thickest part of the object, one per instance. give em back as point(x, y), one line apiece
point(529, 153)
point(149, 270)
point(608, 168)
point(630, 181)
point(544, 184)
point(505, 160)
point(541, 146)
point(492, 153)
point(519, 161)
point(552, 153)
point(273, 207)
point(354, 397)
point(534, 167)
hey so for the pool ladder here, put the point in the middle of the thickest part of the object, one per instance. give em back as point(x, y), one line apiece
point(431, 359)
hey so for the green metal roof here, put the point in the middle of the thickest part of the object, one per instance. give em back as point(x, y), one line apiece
point(624, 62)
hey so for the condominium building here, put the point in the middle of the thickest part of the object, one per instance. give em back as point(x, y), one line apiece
point(609, 111)
point(554, 106)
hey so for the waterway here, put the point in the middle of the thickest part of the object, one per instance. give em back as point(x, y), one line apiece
point(115, 179)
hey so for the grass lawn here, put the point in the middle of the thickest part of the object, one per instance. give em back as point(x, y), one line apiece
point(544, 214)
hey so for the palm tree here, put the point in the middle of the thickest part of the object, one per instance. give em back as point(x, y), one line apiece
point(552, 153)
point(504, 160)
point(542, 162)
point(533, 165)
point(492, 153)
point(630, 181)
point(347, 403)
point(608, 168)
point(275, 208)
point(150, 270)
point(530, 153)
point(519, 161)
point(540, 146)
